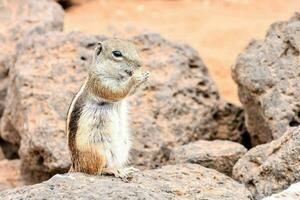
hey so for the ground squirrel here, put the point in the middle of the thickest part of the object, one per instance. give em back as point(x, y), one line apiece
point(97, 127)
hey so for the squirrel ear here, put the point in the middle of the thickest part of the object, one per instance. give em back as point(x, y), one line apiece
point(98, 48)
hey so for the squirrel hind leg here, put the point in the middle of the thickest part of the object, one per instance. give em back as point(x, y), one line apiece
point(90, 162)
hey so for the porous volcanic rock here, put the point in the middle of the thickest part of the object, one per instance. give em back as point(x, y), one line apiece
point(10, 174)
point(177, 106)
point(231, 123)
point(47, 73)
point(267, 74)
point(220, 155)
point(292, 193)
point(171, 182)
point(269, 168)
point(178, 103)
point(20, 19)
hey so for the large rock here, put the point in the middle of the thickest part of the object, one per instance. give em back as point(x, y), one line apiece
point(10, 174)
point(170, 182)
point(292, 193)
point(47, 72)
point(20, 19)
point(272, 167)
point(178, 105)
point(220, 155)
point(267, 74)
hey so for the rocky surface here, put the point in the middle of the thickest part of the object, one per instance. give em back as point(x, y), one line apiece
point(272, 167)
point(47, 72)
point(19, 19)
point(267, 74)
point(292, 193)
point(220, 155)
point(176, 107)
point(231, 123)
point(10, 174)
point(179, 104)
point(171, 182)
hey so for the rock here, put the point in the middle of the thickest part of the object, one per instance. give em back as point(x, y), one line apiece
point(20, 19)
point(180, 104)
point(220, 155)
point(272, 167)
point(231, 123)
point(171, 182)
point(47, 73)
point(292, 193)
point(176, 107)
point(10, 174)
point(267, 74)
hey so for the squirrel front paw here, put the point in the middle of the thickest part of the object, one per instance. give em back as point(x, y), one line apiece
point(140, 77)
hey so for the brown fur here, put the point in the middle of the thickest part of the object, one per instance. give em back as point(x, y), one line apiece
point(73, 124)
point(89, 161)
point(97, 88)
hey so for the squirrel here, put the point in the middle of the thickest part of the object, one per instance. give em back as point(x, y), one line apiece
point(97, 121)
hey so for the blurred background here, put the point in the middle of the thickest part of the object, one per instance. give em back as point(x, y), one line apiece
point(218, 29)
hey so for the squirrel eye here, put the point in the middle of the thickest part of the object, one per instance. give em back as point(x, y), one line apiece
point(117, 54)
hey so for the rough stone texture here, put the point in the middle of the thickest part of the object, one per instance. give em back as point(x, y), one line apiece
point(180, 103)
point(267, 74)
point(220, 155)
point(231, 123)
point(177, 106)
point(47, 72)
point(171, 182)
point(292, 193)
point(10, 174)
point(272, 167)
point(20, 19)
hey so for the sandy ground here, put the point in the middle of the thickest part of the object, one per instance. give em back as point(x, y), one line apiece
point(218, 29)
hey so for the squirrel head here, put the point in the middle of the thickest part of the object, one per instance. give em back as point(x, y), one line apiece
point(115, 60)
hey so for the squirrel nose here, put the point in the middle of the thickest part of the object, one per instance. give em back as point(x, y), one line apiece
point(129, 72)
